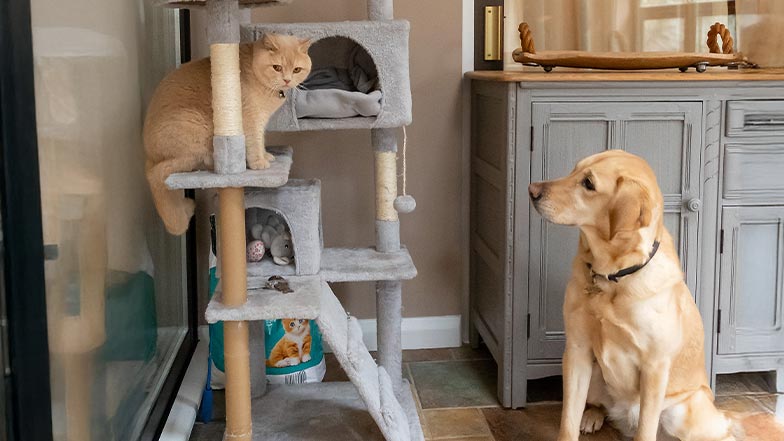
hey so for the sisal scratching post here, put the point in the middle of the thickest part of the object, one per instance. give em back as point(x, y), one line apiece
point(229, 157)
point(224, 36)
point(389, 307)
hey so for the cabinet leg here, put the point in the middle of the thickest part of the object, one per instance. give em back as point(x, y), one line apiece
point(779, 381)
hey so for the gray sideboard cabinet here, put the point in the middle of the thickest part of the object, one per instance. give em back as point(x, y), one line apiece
point(716, 143)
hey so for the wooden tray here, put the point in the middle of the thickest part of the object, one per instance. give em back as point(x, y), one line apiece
point(724, 56)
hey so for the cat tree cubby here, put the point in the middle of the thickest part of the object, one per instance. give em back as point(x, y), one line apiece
point(377, 402)
point(335, 44)
point(299, 204)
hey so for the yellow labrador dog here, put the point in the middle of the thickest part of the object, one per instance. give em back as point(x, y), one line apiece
point(634, 337)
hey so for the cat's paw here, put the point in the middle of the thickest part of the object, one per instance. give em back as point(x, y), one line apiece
point(258, 163)
point(290, 361)
point(306, 358)
point(269, 156)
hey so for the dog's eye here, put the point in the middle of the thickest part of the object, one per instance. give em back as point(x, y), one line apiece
point(588, 184)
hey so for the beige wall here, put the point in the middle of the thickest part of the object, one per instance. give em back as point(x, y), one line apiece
point(343, 160)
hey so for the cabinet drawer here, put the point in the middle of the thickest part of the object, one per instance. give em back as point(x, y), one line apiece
point(754, 172)
point(755, 118)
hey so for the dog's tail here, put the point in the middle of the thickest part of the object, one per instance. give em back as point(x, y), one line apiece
point(756, 426)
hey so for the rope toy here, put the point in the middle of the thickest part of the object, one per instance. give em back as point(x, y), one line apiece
point(718, 29)
point(404, 203)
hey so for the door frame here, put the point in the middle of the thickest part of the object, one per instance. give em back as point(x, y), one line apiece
point(26, 345)
point(23, 324)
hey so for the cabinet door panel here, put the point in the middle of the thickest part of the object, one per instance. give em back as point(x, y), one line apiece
point(752, 267)
point(566, 140)
point(667, 158)
point(667, 135)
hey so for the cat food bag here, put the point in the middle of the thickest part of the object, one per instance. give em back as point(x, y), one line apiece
point(294, 351)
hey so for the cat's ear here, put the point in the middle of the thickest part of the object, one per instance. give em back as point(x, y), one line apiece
point(269, 43)
point(304, 45)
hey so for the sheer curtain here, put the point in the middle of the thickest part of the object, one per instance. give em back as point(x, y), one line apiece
point(646, 25)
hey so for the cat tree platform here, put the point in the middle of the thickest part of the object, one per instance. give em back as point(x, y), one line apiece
point(269, 304)
point(346, 265)
point(322, 411)
point(366, 265)
point(275, 176)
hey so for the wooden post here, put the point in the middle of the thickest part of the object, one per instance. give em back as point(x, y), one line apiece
point(235, 334)
point(223, 34)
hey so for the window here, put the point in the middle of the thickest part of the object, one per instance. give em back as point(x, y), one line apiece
point(682, 25)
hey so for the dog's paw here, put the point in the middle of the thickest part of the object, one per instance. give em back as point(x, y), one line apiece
point(592, 420)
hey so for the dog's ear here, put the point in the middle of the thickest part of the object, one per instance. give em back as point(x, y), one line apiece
point(631, 207)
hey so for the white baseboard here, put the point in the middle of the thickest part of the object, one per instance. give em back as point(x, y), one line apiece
point(418, 332)
point(441, 331)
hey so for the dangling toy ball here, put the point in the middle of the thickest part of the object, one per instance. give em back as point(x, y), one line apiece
point(254, 251)
point(404, 204)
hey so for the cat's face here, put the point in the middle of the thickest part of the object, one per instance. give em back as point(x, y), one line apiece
point(295, 326)
point(281, 61)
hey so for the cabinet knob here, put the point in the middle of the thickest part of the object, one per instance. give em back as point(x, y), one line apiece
point(694, 205)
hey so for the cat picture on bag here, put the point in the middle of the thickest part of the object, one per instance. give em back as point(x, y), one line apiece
point(178, 127)
point(294, 347)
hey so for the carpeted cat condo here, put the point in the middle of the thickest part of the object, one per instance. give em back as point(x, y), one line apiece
point(371, 59)
point(299, 204)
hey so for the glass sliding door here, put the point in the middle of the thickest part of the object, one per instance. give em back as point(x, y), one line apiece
point(116, 297)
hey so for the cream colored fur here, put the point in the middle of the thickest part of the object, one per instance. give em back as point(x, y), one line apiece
point(634, 349)
point(178, 127)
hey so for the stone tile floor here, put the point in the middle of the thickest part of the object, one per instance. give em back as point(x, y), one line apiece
point(456, 397)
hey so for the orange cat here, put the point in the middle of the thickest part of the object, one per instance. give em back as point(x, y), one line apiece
point(178, 128)
point(294, 347)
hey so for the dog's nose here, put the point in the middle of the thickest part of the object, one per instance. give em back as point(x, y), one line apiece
point(535, 190)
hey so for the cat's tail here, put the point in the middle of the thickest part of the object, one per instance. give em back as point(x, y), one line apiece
point(172, 205)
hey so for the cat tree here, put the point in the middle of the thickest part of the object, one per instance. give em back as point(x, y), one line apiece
point(325, 410)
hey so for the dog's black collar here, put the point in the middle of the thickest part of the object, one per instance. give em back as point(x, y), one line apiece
point(627, 271)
